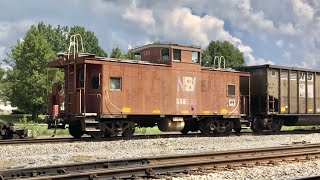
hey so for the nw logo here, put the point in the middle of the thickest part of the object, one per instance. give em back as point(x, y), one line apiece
point(186, 84)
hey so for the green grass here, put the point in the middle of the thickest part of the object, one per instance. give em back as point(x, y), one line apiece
point(153, 130)
point(17, 118)
point(38, 130)
point(291, 128)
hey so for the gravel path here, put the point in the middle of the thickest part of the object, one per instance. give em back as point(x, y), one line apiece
point(61, 153)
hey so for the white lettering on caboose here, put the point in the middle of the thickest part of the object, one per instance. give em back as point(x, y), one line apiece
point(186, 84)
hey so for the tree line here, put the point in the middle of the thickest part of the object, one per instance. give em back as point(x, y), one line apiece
point(28, 80)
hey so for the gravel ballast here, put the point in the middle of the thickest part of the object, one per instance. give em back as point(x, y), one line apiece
point(283, 171)
point(61, 153)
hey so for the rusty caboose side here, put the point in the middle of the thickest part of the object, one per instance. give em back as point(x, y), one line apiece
point(164, 85)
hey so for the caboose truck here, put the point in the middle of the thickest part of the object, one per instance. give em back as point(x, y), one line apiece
point(164, 85)
point(283, 96)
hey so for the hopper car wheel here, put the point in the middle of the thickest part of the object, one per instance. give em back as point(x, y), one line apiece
point(15, 136)
point(75, 130)
point(206, 127)
point(256, 125)
point(276, 125)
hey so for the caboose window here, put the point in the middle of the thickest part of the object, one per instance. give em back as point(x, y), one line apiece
point(115, 83)
point(195, 57)
point(165, 54)
point(231, 89)
point(177, 54)
point(137, 56)
point(94, 82)
point(81, 79)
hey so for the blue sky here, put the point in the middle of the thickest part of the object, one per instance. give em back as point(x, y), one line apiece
point(283, 32)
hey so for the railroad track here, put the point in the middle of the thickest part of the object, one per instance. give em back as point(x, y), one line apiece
point(153, 167)
point(90, 139)
point(149, 136)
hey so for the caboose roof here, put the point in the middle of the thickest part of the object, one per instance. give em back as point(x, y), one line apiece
point(168, 45)
point(92, 59)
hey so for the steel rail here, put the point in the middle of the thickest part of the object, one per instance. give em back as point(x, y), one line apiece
point(139, 136)
point(308, 178)
point(150, 166)
point(90, 139)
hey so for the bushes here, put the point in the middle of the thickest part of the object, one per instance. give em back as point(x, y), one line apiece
point(18, 111)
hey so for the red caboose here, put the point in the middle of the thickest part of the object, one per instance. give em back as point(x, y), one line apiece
point(164, 85)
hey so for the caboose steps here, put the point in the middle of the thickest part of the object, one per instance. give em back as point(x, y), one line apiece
point(90, 125)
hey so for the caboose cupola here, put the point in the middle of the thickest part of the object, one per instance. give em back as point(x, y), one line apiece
point(166, 53)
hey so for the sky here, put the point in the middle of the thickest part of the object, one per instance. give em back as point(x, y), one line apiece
point(281, 32)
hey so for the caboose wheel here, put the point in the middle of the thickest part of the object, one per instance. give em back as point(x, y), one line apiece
point(237, 130)
point(95, 134)
point(223, 127)
point(184, 131)
point(75, 129)
point(129, 128)
point(206, 127)
point(128, 132)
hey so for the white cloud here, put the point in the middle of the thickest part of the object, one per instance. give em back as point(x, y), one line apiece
point(287, 29)
point(279, 43)
point(250, 25)
point(286, 55)
point(181, 24)
point(302, 10)
point(250, 59)
point(2, 52)
point(2, 57)
point(10, 29)
point(139, 15)
point(291, 45)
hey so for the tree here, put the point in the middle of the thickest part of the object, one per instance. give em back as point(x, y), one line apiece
point(233, 57)
point(28, 81)
point(116, 53)
point(55, 36)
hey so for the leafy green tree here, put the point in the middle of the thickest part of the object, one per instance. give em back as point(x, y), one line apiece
point(116, 53)
point(233, 57)
point(90, 41)
point(28, 80)
point(125, 56)
point(55, 36)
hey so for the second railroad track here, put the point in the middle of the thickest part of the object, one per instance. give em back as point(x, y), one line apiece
point(166, 165)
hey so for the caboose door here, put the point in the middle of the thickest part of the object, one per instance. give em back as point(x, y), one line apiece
point(93, 88)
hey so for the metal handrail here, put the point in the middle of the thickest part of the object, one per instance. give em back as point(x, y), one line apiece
point(219, 60)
